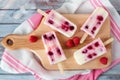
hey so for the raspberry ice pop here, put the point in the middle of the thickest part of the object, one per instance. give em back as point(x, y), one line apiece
point(91, 51)
point(53, 48)
point(94, 23)
point(59, 23)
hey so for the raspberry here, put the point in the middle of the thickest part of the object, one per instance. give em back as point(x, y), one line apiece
point(70, 43)
point(89, 56)
point(48, 11)
point(50, 21)
point(76, 40)
point(33, 38)
point(86, 27)
point(90, 47)
point(100, 18)
point(50, 53)
point(104, 60)
point(96, 44)
point(71, 27)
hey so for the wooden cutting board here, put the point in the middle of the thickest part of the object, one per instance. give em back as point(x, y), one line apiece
point(22, 41)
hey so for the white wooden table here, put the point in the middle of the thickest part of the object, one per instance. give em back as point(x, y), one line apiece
point(8, 23)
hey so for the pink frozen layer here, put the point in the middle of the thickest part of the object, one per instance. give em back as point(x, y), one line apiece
point(53, 48)
point(90, 52)
point(60, 23)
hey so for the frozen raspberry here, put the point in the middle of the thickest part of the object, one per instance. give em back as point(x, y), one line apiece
point(67, 23)
point(50, 38)
point(85, 51)
point(76, 40)
point(45, 36)
point(58, 51)
point(96, 44)
point(98, 22)
point(100, 18)
point(50, 21)
point(90, 47)
point(50, 53)
point(63, 26)
point(66, 28)
point(70, 43)
point(71, 27)
point(92, 32)
point(94, 54)
point(86, 26)
point(33, 38)
point(89, 56)
point(94, 28)
point(104, 60)
point(48, 11)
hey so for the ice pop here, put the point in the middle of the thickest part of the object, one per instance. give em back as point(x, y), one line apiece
point(94, 23)
point(91, 51)
point(59, 23)
point(53, 48)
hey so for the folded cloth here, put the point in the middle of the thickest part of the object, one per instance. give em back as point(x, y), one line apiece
point(21, 61)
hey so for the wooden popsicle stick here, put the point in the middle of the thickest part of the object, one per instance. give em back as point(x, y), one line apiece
point(108, 41)
point(83, 38)
point(42, 12)
point(60, 67)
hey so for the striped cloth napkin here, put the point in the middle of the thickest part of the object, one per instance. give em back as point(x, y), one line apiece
point(22, 61)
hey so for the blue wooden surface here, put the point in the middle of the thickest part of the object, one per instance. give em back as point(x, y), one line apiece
point(8, 23)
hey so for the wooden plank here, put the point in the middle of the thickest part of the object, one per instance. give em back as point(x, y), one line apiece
point(7, 29)
point(1, 50)
point(109, 77)
point(26, 76)
point(9, 16)
point(43, 4)
point(15, 4)
point(30, 77)
point(17, 77)
point(116, 4)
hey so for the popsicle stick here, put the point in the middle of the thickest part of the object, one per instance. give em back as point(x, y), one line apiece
point(108, 41)
point(60, 67)
point(83, 38)
point(42, 12)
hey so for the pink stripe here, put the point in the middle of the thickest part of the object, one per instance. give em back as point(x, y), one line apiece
point(115, 28)
point(10, 64)
point(115, 31)
point(7, 57)
point(109, 12)
point(37, 77)
point(115, 35)
point(111, 19)
point(114, 25)
point(21, 66)
point(30, 24)
point(16, 62)
point(92, 3)
point(97, 4)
